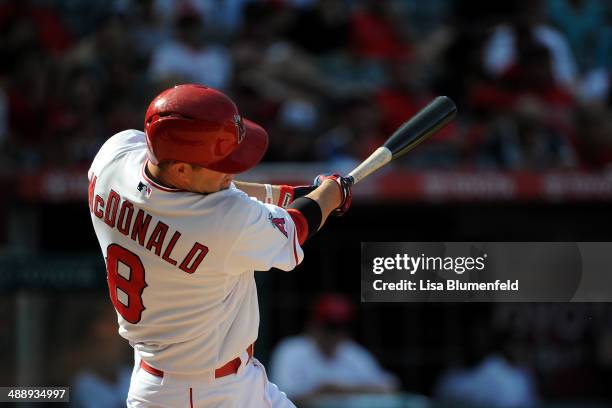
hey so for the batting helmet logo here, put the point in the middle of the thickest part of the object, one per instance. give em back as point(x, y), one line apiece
point(240, 126)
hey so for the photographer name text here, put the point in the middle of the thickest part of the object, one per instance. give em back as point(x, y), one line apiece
point(427, 285)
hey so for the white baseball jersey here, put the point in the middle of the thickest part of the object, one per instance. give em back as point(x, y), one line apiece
point(181, 265)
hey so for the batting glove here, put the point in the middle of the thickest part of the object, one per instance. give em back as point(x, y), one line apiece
point(345, 190)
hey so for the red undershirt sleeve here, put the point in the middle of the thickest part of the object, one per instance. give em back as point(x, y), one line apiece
point(301, 225)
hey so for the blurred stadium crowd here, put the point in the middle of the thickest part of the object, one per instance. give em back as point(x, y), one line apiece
point(329, 79)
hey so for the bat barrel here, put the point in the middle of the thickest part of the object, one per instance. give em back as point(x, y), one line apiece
point(422, 125)
point(429, 120)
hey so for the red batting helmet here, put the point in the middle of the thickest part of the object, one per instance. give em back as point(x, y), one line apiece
point(200, 125)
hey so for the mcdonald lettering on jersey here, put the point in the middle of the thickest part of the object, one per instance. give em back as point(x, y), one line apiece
point(121, 214)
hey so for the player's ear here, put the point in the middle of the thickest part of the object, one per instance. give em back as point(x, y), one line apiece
point(180, 173)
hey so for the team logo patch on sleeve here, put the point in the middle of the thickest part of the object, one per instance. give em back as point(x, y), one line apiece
point(278, 223)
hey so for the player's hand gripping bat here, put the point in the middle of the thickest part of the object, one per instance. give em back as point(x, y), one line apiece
point(421, 126)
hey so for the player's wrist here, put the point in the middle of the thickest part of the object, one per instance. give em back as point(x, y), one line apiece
point(342, 186)
point(333, 188)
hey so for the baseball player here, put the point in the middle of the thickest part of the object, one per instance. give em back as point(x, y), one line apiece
point(182, 240)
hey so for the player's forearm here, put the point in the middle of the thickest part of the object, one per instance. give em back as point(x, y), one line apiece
point(310, 212)
point(258, 190)
point(328, 197)
point(281, 195)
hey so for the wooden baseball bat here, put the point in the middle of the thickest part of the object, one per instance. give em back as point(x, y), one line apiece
point(421, 126)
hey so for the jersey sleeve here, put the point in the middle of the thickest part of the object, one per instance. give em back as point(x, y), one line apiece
point(267, 239)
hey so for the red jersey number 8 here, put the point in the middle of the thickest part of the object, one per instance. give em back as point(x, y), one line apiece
point(126, 281)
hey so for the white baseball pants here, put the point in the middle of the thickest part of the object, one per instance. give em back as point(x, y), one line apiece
point(248, 388)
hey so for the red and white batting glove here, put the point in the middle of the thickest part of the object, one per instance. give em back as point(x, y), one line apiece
point(345, 190)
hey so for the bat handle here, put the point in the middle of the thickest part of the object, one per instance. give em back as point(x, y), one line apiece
point(379, 158)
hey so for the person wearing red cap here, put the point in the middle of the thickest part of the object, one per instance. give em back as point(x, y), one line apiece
point(324, 362)
point(182, 240)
